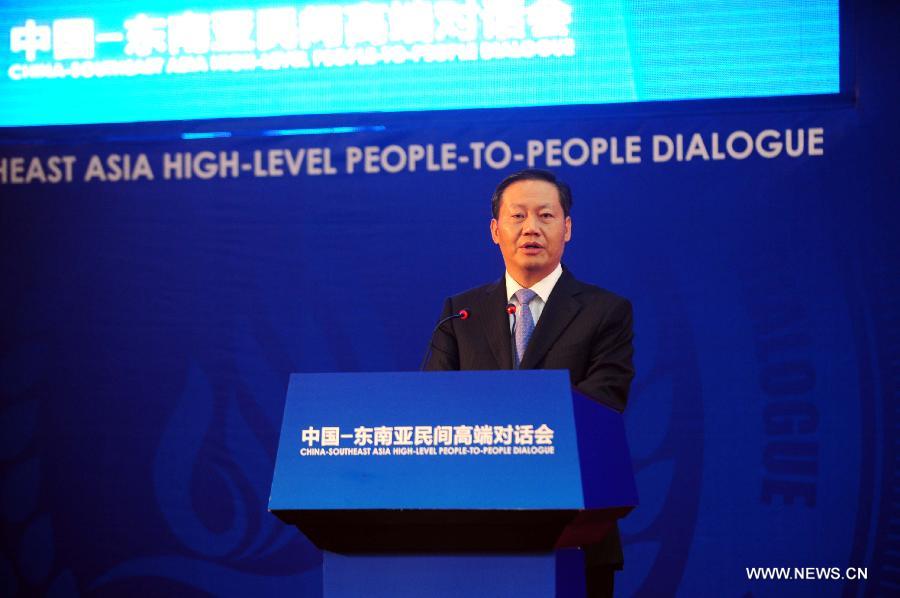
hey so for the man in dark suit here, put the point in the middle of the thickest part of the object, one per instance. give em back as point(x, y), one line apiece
point(560, 322)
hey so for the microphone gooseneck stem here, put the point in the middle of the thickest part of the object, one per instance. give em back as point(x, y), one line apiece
point(462, 314)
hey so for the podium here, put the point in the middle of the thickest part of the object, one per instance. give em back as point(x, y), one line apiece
point(448, 483)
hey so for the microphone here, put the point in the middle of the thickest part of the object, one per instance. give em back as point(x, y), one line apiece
point(511, 310)
point(462, 314)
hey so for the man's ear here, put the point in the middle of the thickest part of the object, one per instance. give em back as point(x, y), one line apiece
point(568, 228)
point(494, 234)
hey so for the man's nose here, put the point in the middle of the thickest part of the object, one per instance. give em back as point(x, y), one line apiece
point(531, 226)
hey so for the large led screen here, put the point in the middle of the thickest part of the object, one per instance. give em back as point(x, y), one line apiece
point(149, 60)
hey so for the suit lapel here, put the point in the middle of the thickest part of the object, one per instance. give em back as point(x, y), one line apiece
point(559, 311)
point(496, 324)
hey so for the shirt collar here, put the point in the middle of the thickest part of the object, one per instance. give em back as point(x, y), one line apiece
point(543, 288)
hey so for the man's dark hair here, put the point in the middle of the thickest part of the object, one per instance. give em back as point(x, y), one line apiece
point(533, 174)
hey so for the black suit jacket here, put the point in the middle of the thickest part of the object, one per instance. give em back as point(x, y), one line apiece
point(583, 328)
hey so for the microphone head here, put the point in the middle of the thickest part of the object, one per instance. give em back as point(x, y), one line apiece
point(510, 309)
point(464, 314)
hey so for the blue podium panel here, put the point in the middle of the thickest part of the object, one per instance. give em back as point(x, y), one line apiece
point(429, 462)
point(432, 440)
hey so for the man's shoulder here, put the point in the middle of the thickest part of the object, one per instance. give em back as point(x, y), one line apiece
point(477, 293)
point(586, 292)
point(596, 292)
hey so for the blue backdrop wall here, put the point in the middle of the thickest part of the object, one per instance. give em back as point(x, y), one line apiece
point(150, 320)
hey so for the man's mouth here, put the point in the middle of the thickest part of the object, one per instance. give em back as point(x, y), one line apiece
point(530, 248)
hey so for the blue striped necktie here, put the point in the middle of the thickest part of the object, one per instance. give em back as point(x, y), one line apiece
point(524, 322)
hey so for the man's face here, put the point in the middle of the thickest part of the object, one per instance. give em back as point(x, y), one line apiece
point(531, 230)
